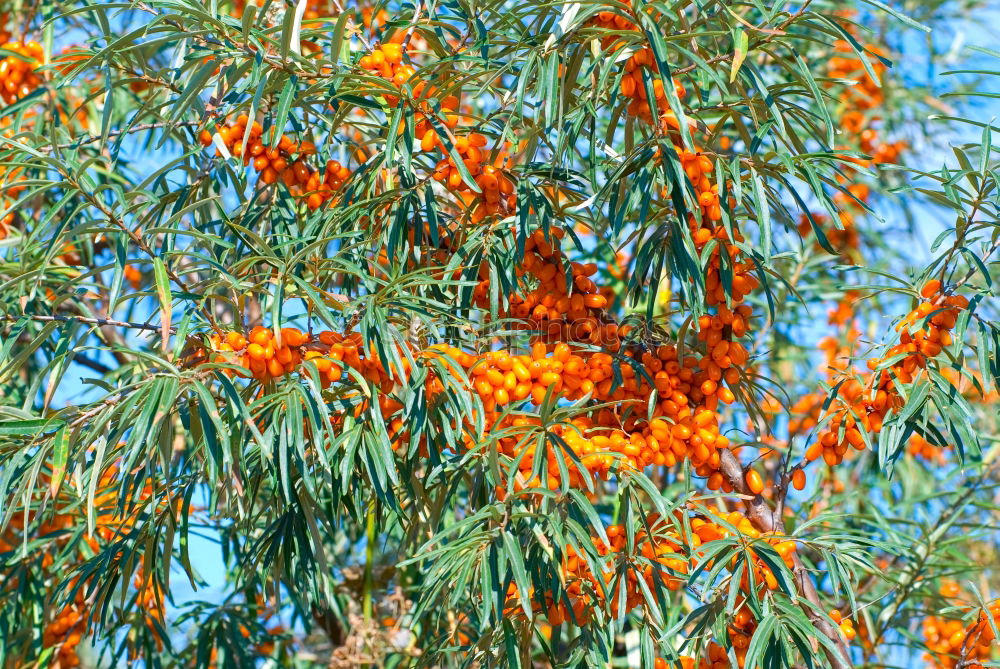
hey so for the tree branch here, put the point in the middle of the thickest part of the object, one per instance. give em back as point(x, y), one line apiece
point(115, 133)
point(766, 520)
point(94, 365)
point(81, 319)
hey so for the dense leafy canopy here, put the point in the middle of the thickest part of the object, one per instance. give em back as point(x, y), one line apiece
point(497, 333)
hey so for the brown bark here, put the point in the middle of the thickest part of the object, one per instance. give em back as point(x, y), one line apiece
point(766, 520)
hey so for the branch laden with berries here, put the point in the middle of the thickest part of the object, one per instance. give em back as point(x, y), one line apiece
point(340, 334)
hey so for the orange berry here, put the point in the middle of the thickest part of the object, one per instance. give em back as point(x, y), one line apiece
point(236, 340)
point(930, 289)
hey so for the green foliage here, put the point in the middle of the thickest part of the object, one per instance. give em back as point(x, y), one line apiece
point(127, 446)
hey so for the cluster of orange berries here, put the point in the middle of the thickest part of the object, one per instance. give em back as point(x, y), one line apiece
point(496, 196)
point(699, 168)
point(259, 352)
point(638, 67)
point(862, 102)
point(919, 447)
point(940, 313)
point(65, 631)
point(950, 641)
point(662, 557)
point(584, 590)
point(721, 330)
point(688, 391)
point(263, 358)
point(633, 85)
point(347, 350)
point(740, 631)
point(663, 551)
point(133, 276)
point(846, 625)
point(678, 431)
point(556, 308)
point(783, 546)
point(741, 628)
point(844, 430)
point(945, 640)
point(601, 439)
point(149, 599)
point(878, 397)
point(715, 658)
point(500, 378)
point(613, 21)
point(723, 353)
point(286, 162)
point(743, 280)
point(386, 61)
point(17, 74)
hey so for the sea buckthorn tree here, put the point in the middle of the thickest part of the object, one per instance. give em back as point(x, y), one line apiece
point(441, 333)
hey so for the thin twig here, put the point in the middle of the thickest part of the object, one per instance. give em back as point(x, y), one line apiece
point(768, 34)
point(138, 241)
point(972, 271)
point(90, 413)
point(914, 575)
point(82, 319)
point(412, 27)
point(124, 131)
point(91, 364)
